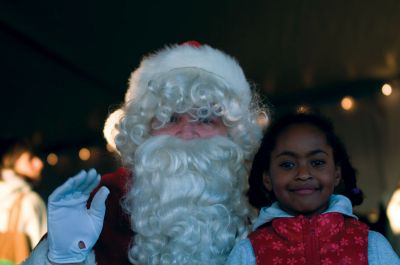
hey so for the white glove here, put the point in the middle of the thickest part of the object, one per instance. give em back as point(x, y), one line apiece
point(72, 228)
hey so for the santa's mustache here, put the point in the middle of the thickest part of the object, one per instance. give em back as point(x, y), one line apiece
point(173, 162)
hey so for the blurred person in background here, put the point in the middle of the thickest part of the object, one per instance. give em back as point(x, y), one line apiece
point(20, 168)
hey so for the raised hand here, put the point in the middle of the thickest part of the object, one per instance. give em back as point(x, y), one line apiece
point(72, 228)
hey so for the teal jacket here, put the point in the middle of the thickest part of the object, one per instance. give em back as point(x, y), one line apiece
point(380, 251)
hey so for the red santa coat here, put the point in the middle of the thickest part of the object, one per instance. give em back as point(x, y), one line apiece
point(115, 238)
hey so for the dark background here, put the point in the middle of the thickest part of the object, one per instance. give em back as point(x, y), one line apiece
point(65, 64)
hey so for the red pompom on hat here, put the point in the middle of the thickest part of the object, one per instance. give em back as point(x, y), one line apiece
point(193, 43)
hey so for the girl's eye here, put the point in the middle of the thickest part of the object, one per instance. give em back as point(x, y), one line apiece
point(287, 165)
point(318, 163)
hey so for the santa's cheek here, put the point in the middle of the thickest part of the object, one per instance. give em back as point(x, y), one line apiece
point(164, 131)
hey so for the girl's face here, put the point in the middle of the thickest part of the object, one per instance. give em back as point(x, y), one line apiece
point(302, 171)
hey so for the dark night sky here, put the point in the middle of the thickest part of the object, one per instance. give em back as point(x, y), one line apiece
point(65, 64)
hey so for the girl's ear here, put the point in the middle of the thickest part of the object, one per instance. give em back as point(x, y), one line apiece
point(267, 182)
point(338, 175)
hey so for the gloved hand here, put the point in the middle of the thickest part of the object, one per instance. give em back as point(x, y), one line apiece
point(72, 228)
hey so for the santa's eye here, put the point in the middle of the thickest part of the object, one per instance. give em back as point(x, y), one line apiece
point(207, 120)
point(174, 119)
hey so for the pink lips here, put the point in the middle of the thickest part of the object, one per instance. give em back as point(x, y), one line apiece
point(304, 190)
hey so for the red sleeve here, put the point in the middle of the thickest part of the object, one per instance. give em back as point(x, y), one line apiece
point(113, 244)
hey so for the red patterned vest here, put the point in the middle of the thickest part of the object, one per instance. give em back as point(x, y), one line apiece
point(326, 239)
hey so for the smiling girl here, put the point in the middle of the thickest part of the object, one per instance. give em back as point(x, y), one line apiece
point(304, 184)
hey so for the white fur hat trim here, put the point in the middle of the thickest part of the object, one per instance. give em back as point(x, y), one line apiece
point(187, 55)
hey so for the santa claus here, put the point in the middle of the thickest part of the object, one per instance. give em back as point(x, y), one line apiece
point(185, 133)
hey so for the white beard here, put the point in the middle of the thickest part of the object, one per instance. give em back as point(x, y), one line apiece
point(187, 204)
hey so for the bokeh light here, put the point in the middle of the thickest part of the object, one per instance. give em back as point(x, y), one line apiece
point(52, 159)
point(303, 109)
point(387, 89)
point(84, 154)
point(347, 103)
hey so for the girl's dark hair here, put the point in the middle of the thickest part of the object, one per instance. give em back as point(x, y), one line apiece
point(259, 196)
